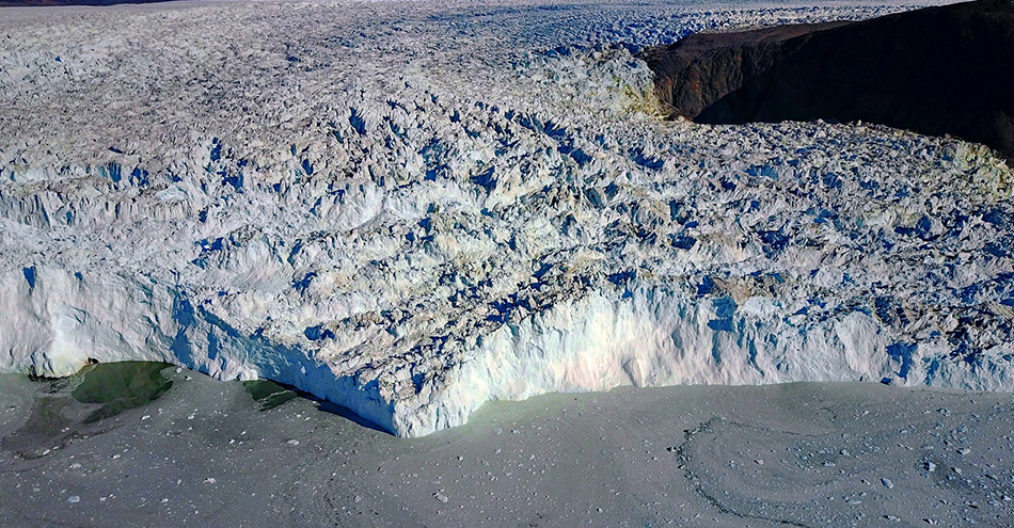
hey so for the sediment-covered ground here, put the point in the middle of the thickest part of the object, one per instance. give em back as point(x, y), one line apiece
point(808, 455)
point(411, 209)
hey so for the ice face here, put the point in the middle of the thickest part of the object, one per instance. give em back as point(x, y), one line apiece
point(413, 209)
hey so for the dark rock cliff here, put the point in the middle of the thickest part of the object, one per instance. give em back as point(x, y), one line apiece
point(940, 70)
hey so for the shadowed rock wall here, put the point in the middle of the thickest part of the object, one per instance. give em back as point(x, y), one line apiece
point(941, 70)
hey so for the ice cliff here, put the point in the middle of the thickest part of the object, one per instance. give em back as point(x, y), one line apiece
point(411, 209)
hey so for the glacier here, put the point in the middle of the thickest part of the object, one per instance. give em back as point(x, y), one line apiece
point(410, 209)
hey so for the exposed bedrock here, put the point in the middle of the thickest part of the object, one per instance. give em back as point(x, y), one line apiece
point(940, 70)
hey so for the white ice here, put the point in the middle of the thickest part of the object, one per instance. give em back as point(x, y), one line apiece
point(411, 209)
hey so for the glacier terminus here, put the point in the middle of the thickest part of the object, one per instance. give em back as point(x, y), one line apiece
point(410, 209)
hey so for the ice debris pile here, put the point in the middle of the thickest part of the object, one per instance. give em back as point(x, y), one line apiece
point(411, 209)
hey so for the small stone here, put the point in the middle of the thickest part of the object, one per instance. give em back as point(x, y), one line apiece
point(964, 451)
point(440, 497)
point(210, 480)
point(887, 483)
point(292, 442)
point(74, 499)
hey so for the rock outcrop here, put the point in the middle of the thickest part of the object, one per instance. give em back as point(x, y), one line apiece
point(939, 70)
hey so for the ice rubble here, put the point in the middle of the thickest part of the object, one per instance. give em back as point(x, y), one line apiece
point(413, 209)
